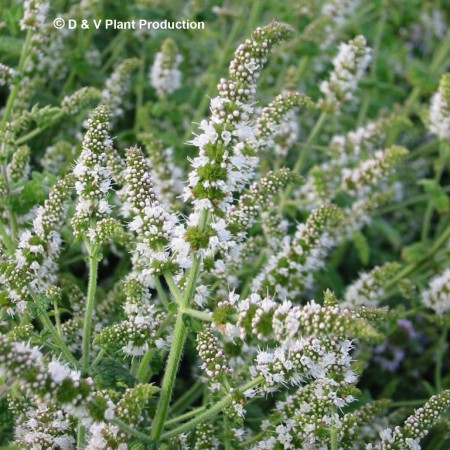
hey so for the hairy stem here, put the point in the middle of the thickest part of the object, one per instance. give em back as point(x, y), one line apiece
point(90, 303)
point(48, 325)
point(179, 337)
point(210, 412)
point(185, 416)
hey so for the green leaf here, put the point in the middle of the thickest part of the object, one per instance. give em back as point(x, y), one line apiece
point(41, 305)
point(388, 231)
point(6, 424)
point(11, 17)
point(414, 251)
point(111, 374)
point(440, 201)
point(419, 75)
point(10, 45)
point(362, 247)
point(34, 192)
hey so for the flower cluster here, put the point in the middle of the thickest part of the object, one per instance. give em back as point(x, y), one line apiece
point(45, 379)
point(368, 289)
point(93, 180)
point(290, 272)
point(57, 157)
point(39, 248)
point(440, 109)
point(214, 363)
point(264, 281)
point(6, 75)
point(437, 296)
point(43, 425)
point(117, 87)
point(258, 197)
point(226, 163)
point(165, 75)
point(129, 410)
point(415, 427)
point(19, 167)
point(138, 332)
point(34, 14)
point(76, 102)
point(347, 151)
point(277, 126)
point(360, 181)
point(349, 66)
point(155, 228)
point(166, 174)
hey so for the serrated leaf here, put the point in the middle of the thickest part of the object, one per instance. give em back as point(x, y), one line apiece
point(110, 374)
point(33, 193)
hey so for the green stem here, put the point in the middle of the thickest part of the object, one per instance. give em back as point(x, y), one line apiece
point(98, 358)
point(439, 359)
point(403, 403)
point(226, 434)
point(173, 286)
point(142, 374)
point(430, 208)
point(209, 413)
point(90, 303)
point(301, 160)
point(58, 339)
point(48, 325)
point(15, 89)
point(179, 336)
point(115, 53)
point(187, 398)
point(6, 240)
point(198, 314)
point(81, 435)
point(38, 130)
point(57, 317)
point(333, 439)
point(161, 294)
point(130, 430)
point(439, 244)
point(185, 416)
point(409, 201)
point(440, 56)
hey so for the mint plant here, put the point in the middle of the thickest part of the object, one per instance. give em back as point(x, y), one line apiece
point(196, 254)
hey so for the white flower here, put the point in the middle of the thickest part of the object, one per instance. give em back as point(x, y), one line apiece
point(58, 371)
point(437, 297)
point(412, 444)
